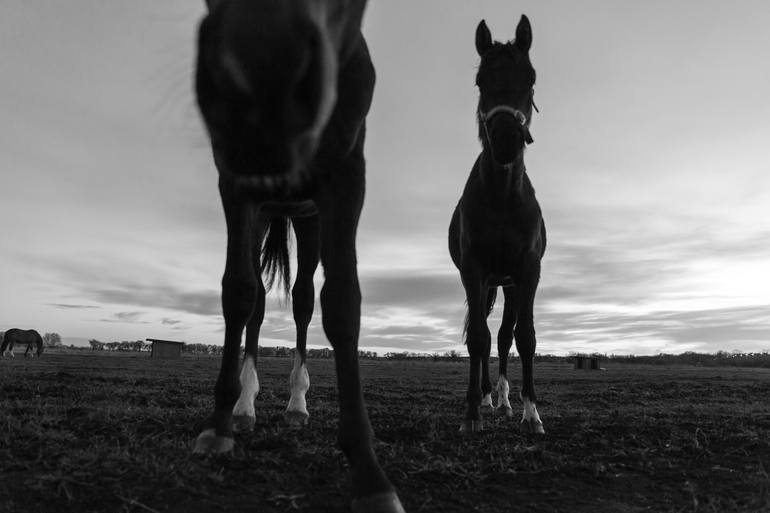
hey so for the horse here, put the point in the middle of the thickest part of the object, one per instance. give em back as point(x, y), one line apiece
point(497, 234)
point(284, 87)
point(16, 336)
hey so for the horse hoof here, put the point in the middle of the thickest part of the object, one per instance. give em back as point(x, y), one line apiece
point(505, 411)
point(533, 427)
point(209, 443)
point(243, 423)
point(296, 418)
point(385, 502)
point(471, 426)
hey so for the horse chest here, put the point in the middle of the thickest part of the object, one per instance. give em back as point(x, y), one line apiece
point(499, 246)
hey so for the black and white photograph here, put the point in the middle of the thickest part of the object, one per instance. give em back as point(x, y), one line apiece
point(384, 256)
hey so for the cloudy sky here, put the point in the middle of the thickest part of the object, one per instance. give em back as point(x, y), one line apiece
point(651, 164)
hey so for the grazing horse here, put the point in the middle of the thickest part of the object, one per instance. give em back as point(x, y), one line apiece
point(16, 336)
point(497, 234)
point(284, 87)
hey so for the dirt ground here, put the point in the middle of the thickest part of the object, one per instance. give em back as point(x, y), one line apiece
point(113, 433)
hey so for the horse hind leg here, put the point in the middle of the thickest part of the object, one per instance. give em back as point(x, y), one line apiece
point(244, 415)
point(504, 343)
point(303, 297)
point(486, 383)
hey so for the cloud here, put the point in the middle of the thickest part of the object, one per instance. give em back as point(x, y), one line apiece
point(167, 297)
point(71, 306)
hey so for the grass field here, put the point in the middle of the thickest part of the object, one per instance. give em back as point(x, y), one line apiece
point(113, 433)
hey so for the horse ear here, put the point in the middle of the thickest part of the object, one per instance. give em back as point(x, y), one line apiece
point(523, 34)
point(483, 38)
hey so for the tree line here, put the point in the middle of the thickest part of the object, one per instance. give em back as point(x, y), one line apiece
point(690, 358)
point(125, 345)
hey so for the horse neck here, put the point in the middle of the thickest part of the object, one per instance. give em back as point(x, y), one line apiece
point(502, 184)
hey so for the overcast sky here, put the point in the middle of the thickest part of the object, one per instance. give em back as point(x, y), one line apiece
point(651, 164)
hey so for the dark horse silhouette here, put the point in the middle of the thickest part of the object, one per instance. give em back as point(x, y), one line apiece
point(16, 336)
point(284, 87)
point(497, 234)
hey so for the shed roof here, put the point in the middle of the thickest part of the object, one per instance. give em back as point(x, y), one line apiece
point(164, 341)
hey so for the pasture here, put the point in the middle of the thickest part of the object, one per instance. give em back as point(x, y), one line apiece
point(113, 432)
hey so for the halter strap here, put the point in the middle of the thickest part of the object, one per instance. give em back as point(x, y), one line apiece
point(506, 109)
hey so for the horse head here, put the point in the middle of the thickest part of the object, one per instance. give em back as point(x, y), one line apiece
point(266, 84)
point(506, 96)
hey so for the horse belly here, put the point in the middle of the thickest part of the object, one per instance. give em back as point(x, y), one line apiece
point(304, 208)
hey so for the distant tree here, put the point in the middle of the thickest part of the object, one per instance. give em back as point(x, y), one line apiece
point(96, 345)
point(52, 340)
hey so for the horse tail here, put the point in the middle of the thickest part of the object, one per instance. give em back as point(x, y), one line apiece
point(491, 297)
point(275, 265)
point(4, 345)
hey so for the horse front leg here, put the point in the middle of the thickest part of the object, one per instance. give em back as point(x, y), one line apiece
point(339, 207)
point(477, 339)
point(244, 415)
point(306, 230)
point(504, 343)
point(525, 345)
point(239, 294)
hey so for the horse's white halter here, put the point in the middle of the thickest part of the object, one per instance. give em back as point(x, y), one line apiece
point(506, 109)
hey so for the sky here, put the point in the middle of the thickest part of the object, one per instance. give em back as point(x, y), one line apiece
point(651, 164)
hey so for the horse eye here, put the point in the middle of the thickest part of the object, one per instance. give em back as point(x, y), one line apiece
point(521, 117)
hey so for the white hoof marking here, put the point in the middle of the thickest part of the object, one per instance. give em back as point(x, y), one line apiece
point(530, 412)
point(299, 383)
point(487, 400)
point(249, 389)
point(502, 393)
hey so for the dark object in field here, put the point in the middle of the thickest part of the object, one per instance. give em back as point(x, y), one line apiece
point(497, 235)
point(587, 363)
point(16, 336)
point(284, 87)
point(166, 349)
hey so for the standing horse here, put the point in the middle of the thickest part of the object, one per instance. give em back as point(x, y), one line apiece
point(16, 336)
point(497, 234)
point(284, 87)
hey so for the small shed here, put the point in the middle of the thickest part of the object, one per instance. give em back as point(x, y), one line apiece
point(166, 349)
point(587, 362)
